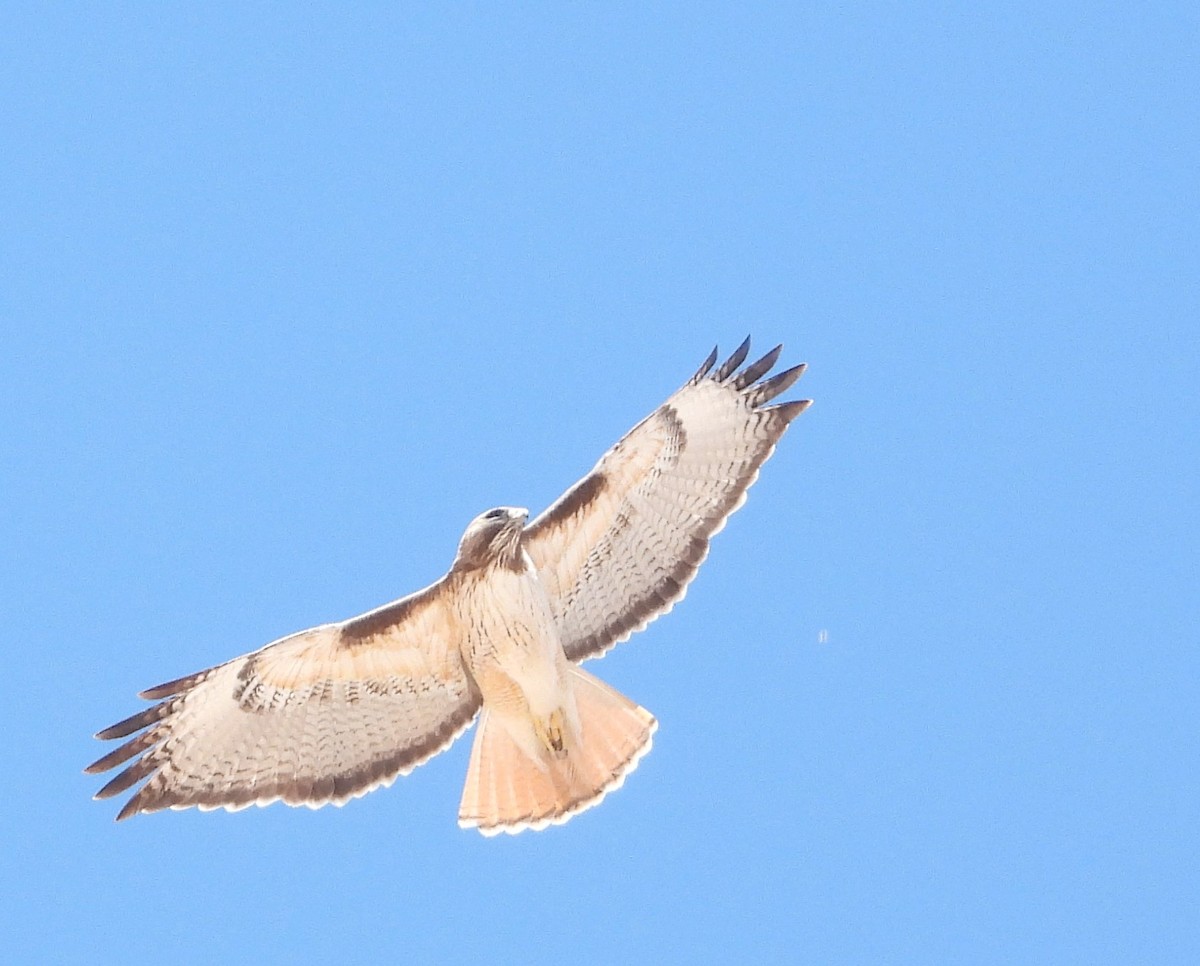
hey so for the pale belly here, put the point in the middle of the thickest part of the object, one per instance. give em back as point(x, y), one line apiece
point(513, 652)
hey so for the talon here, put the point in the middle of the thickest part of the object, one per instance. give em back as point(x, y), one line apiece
point(552, 734)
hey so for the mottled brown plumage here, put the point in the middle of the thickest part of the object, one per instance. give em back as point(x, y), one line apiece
point(330, 713)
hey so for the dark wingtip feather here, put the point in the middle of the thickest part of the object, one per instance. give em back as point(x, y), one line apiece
point(735, 360)
point(704, 367)
point(127, 779)
point(135, 722)
point(790, 410)
point(102, 764)
point(756, 370)
point(766, 391)
point(123, 753)
point(131, 808)
point(171, 687)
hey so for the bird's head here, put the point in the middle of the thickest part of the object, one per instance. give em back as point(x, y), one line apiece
point(493, 537)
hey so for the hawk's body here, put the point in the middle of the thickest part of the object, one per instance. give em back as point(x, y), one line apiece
point(332, 712)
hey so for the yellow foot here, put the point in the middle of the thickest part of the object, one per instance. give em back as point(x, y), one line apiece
point(552, 733)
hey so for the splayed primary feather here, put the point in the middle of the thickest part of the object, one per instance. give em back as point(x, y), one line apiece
point(330, 713)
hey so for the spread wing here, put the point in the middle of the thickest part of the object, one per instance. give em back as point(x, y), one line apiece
point(620, 547)
point(322, 716)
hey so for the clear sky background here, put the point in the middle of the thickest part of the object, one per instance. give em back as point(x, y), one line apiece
point(289, 296)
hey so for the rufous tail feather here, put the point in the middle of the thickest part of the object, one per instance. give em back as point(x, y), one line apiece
point(506, 791)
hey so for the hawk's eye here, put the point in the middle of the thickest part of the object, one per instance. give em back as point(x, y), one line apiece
point(493, 514)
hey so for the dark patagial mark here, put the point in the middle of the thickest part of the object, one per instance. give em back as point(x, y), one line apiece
point(582, 495)
point(369, 625)
point(572, 503)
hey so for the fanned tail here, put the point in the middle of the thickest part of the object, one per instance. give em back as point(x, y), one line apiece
point(507, 791)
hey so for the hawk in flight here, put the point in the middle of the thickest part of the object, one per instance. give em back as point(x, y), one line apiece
point(334, 712)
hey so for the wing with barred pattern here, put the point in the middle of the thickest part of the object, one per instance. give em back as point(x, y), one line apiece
point(318, 717)
point(620, 547)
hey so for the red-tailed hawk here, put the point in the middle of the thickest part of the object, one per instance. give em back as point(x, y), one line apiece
point(331, 713)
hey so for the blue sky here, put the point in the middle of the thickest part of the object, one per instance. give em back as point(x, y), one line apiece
point(289, 296)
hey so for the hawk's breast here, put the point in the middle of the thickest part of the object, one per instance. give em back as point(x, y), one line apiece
point(510, 637)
